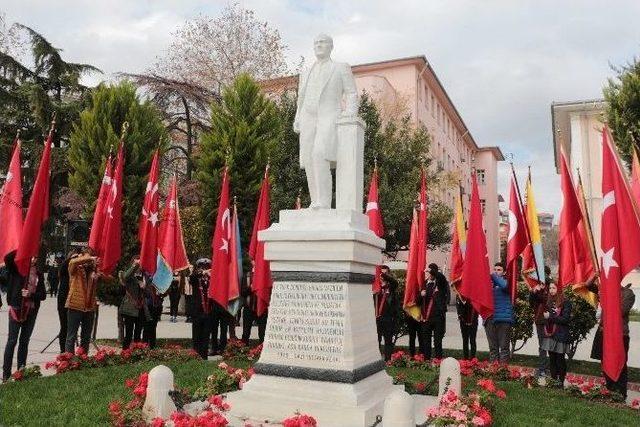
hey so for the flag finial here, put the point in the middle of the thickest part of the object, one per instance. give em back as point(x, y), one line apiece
point(125, 128)
point(53, 124)
point(18, 134)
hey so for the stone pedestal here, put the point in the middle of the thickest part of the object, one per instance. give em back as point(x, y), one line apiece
point(320, 354)
point(350, 164)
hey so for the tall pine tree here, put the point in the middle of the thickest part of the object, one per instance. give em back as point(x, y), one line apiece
point(98, 129)
point(245, 127)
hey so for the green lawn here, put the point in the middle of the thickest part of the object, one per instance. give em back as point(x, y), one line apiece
point(80, 398)
point(574, 366)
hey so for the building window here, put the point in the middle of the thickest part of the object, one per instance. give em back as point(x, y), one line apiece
point(483, 205)
point(480, 173)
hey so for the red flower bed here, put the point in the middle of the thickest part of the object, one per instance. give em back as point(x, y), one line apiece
point(459, 411)
point(109, 357)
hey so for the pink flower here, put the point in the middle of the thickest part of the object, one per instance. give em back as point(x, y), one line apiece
point(420, 387)
point(157, 422)
point(635, 403)
point(80, 351)
point(130, 383)
point(501, 394)
point(223, 365)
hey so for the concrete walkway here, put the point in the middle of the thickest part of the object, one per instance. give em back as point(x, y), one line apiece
point(47, 326)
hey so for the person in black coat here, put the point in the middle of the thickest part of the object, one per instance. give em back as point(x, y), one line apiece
point(557, 334)
point(387, 310)
point(200, 310)
point(433, 303)
point(23, 297)
point(468, 318)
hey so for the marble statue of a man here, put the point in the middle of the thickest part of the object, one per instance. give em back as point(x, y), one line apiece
point(320, 104)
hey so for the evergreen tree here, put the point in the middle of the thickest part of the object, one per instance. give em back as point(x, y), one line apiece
point(622, 94)
point(244, 129)
point(97, 131)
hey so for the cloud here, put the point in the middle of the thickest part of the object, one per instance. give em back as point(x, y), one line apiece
point(502, 62)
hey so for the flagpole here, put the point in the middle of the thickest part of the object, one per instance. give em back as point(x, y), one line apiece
point(588, 218)
point(524, 217)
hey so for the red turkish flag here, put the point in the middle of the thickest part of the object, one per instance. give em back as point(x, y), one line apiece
point(517, 239)
point(219, 282)
point(97, 225)
point(37, 213)
point(375, 220)
point(148, 222)
point(170, 237)
point(619, 237)
point(412, 286)
point(112, 228)
point(421, 264)
point(11, 205)
point(635, 177)
point(476, 281)
point(261, 282)
point(568, 234)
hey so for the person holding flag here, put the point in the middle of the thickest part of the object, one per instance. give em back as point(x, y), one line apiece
point(619, 237)
point(25, 290)
point(226, 273)
point(467, 315)
point(257, 292)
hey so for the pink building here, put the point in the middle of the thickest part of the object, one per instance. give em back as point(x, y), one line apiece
point(411, 86)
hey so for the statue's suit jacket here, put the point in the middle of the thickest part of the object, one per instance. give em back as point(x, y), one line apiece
point(319, 127)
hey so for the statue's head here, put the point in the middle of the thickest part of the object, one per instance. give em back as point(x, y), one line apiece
point(322, 46)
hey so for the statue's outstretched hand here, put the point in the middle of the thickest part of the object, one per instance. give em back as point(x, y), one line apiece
point(296, 126)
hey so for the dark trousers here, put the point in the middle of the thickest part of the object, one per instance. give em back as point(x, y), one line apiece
point(200, 331)
point(62, 335)
point(174, 301)
point(386, 328)
point(131, 323)
point(149, 332)
point(139, 325)
point(20, 334)
point(248, 318)
point(82, 320)
point(499, 338)
point(469, 333)
point(620, 386)
point(188, 306)
point(557, 366)
point(219, 324)
point(435, 327)
point(416, 329)
point(543, 360)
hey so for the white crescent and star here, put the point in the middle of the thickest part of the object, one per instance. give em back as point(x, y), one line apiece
point(372, 206)
point(608, 262)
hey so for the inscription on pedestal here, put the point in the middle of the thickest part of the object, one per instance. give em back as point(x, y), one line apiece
point(306, 322)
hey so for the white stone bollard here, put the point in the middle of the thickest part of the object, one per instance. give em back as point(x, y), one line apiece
point(398, 410)
point(449, 372)
point(158, 403)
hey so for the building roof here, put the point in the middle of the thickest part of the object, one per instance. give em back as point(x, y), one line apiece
point(560, 119)
point(288, 82)
point(495, 150)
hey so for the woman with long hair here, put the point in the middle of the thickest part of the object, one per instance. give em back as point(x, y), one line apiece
point(557, 337)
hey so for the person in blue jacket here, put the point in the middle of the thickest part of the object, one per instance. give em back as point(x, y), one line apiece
point(498, 326)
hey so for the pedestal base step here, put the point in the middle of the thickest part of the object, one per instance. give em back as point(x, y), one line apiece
point(272, 399)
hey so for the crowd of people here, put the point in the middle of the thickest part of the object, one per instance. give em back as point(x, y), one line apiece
point(76, 281)
point(551, 309)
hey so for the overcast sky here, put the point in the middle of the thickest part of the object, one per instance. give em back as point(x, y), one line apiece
point(503, 62)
